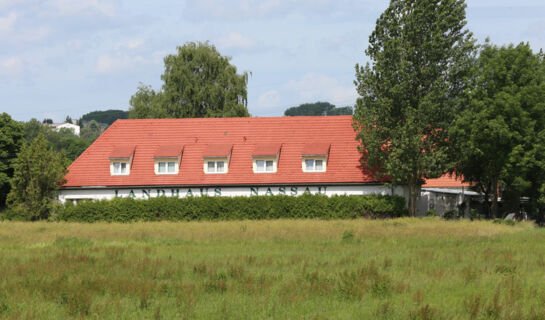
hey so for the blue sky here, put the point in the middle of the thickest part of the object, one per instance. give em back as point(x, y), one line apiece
point(70, 57)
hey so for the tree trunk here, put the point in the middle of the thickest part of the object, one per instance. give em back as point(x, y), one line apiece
point(414, 188)
point(494, 211)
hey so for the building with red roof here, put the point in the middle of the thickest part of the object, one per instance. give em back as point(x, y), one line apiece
point(225, 157)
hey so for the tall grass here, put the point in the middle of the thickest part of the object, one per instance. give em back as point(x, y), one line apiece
point(281, 269)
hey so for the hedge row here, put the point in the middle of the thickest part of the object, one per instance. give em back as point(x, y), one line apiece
point(233, 208)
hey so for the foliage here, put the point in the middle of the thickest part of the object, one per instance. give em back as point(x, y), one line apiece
point(11, 139)
point(197, 82)
point(235, 208)
point(91, 131)
point(500, 138)
point(38, 172)
point(107, 116)
point(317, 109)
point(431, 213)
point(451, 215)
point(420, 55)
point(62, 141)
point(272, 269)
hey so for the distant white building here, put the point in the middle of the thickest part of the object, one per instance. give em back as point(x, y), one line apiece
point(58, 126)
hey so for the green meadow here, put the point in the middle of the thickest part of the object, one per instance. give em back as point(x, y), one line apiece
point(280, 269)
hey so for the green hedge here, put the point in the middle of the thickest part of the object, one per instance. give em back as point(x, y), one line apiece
point(233, 208)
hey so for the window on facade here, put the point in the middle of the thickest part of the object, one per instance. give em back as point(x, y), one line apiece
point(166, 167)
point(216, 166)
point(264, 166)
point(314, 165)
point(121, 159)
point(120, 168)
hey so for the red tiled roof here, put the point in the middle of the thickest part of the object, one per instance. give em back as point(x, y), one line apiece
point(445, 181)
point(122, 151)
point(218, 150)
point(168, 152)
point(242, 135)
point(267, 149)
point(316, 148)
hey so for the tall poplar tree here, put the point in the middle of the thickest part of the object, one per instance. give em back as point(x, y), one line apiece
point(421, 55)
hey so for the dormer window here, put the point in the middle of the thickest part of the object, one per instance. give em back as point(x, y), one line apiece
point(216, 166)
point(120, 168)
point(120, 160)
point(314, 165)
point(262, 166)
point(166, 167)
point(314, 157)
point(265, 158)
point(216, 158)
point(167, 159)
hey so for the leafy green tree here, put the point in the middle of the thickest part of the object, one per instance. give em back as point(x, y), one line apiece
point(68, 119)
point(91, 131)
point(197, 82)
point(500, 137)
point(38, 172)
point(32, 129)
point(341, 111)
point(317, 109)
point(64, 140)
point(11, 139)
point(107, 116)
point(421, 55)
point(67, 142)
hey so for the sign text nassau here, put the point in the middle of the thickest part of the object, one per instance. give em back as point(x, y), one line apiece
point(146, 193)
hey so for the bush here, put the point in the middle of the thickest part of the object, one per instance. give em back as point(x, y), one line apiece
point(16, 213)
point(474, 214)
point(431, 213)
point(235, 208)
point(451, 215)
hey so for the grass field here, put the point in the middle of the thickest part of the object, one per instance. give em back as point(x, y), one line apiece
point(284, 269)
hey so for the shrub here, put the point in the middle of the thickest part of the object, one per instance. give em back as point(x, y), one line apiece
point(451, 215)
point(234, 208)
point(431, 213)
point(474, 214)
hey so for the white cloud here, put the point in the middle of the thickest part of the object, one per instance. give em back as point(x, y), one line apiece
point(129, 44)
point(268, 101)
point(259, 9)
point(12, 67)
point(20, 34)
point(234, 9)
point(5, 4)
point(7, 22)
point(71, 7)
point(235, 40)
point(313, 87)
point(110, 64)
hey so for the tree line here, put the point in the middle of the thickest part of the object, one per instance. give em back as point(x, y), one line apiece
point(433, 101)
point(33, 160)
